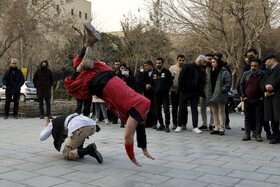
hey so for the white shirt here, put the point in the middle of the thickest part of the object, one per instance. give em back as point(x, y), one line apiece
point(76, 123)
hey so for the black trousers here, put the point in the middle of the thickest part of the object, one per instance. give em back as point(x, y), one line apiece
point(87, 105)
point(163, 100)
point(183, 109)
point(12, 98)
point(175, 100)
point(254, 114)
point(48, 106)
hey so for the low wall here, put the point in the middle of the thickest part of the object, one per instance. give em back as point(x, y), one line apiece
point(31, 108)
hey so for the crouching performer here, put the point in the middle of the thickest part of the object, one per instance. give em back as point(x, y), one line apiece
point(77, 128)
point(95, 78)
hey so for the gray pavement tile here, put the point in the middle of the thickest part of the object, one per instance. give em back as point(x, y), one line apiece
point(181, 183)
point(274, 179)
point(213, 170)
point(215, 185)
point(178, 158)
point(54, 171)
point(245, 167)
point(10, 161)
point(74, 184)
point(208, 162)
point(17, 175)
point(111, 182)
point(5, 169)
point(269, 170)
point(151, 169)
point(265, 163)
point(9, 183)
point(140, 184)
point(149, 178)
point(181, 174)
point(181, 165)
point(246, 183)
point(234, 159)
point(116, 172)
point(43, 181)
point(217, 179)
point(82, 177)
point(259, 157)
point(249, 175)
point(29, 166)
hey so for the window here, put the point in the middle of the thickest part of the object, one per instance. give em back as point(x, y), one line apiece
point(72, 12)
point(80, 14)
point(85, 15)
point(34, 2)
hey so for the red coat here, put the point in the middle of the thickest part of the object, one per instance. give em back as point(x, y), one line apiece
point(78, 88)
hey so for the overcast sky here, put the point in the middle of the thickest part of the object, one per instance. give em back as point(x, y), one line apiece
point(108, 13)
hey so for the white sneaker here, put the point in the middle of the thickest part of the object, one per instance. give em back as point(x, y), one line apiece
point(196, 131)
point(106, 122)
point(242, 113)
point(178, 129)
point(96, 120)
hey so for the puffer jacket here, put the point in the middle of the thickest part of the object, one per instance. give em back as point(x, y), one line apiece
point(223, 84)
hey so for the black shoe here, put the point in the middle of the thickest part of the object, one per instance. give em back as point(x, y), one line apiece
point(214, 132)
point(97, 128)
point(274, 141)
point(161, 128)
point(167, 129)
point(15, 116)
point(268, 136)
point(227, 126)
point(243, 129)
point(42, 117)
point(94, 153)
point(115, 122)
point(6, 117)
point(155, 126)
point(221, 133)
point(122, 125)
point(203, 127)
point(210, 128)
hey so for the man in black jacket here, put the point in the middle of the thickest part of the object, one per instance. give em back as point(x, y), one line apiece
point(191, 85)
point(161, 83)
point(252, 96)
point(271, 87)
point(13, 79)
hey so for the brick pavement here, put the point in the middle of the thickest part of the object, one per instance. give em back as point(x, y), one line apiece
point(182, 159)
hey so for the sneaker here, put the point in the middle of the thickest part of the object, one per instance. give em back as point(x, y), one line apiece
point(210, 127)
point(174, 126)
point(178, 129)
point(106, 122)
point(94, 153)
point(161, 128)
point(122, 125)
point(246, 137)
point(155, 126)
point(42, 117)
point(96, 120)
point(6, 117)
point(15, 116)
point(243, 129)
point(203, 127)
point(196, 131)
point(273, 141)
point(115, 121)
point(258, 138)
point(268, 136)
point(184, 127)
point(221, 133)
point(242, 112)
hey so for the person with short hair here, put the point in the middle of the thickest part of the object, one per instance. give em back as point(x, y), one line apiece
point(13, 79)
point(270, 85)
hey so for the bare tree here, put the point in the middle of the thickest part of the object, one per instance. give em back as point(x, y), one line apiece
point(230, 27)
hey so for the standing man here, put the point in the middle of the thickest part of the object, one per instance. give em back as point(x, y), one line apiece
point(175, 94)
point(13, 79)
point(161, 82)
point(43, 81)
point(190, 87)
point(149, 93)
point(271, 87)
point(252, 96)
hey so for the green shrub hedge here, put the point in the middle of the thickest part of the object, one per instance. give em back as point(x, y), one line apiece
point(61, 94)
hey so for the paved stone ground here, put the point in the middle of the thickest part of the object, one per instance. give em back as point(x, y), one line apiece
point(182, 159)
